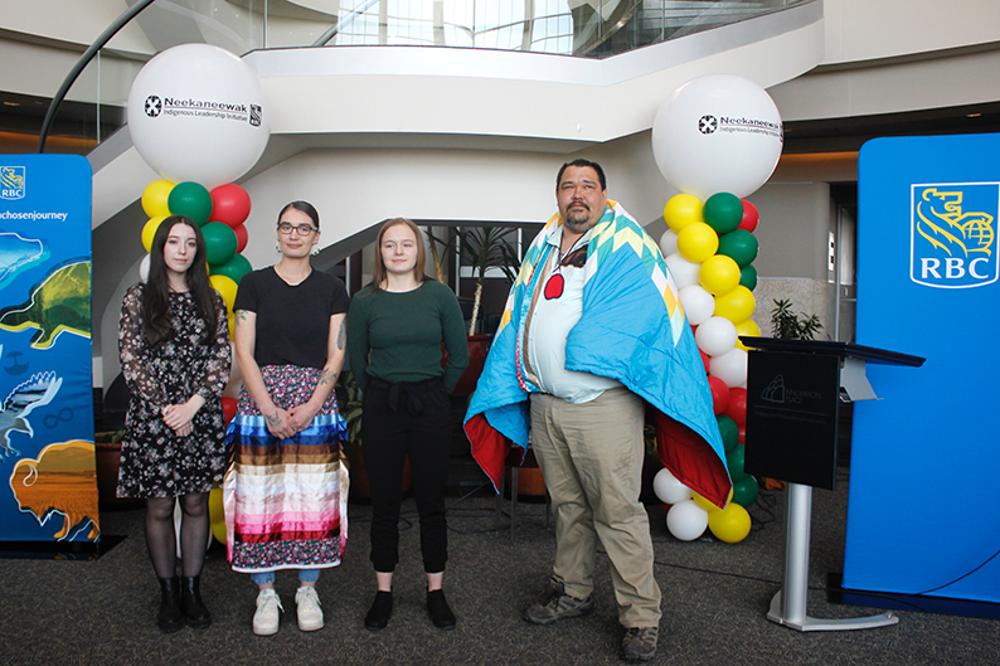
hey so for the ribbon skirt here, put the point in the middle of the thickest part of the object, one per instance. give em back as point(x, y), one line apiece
point(286, 499)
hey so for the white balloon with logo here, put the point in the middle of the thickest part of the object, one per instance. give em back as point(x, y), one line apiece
point(717, 133)
point(196, 112)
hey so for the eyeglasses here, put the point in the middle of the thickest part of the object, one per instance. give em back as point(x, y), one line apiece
point(303, 229)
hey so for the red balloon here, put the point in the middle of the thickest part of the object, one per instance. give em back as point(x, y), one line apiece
point(706, 359)
point(737, 409)
point(228, 409)
point(241, 237)
point(230, 204)
point(750, 217)
point(720, 394)
point(742, 434)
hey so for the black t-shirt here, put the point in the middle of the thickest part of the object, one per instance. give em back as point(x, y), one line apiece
point(293, 323)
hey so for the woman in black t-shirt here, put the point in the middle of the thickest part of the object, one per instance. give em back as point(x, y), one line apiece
point(286, 495)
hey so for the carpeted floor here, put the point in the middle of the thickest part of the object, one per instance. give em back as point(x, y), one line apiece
point(715, 598)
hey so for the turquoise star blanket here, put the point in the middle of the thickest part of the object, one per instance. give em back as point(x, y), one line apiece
point(633, 330)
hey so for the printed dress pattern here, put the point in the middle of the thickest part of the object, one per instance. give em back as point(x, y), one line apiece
point(155, 462)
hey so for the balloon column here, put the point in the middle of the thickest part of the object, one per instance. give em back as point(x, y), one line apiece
point(717, 140)
point(197, 115)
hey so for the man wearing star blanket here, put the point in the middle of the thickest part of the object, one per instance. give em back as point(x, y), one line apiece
point(593, 332)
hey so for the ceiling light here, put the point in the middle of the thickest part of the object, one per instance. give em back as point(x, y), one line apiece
point(975, 114)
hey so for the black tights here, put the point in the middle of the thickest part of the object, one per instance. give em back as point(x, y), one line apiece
point(160, 534)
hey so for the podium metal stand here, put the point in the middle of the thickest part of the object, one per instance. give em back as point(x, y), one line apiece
point(794, 391)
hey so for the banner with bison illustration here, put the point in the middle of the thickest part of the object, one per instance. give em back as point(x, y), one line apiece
point(48, 486)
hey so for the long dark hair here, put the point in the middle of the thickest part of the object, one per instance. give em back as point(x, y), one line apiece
point(157, 324)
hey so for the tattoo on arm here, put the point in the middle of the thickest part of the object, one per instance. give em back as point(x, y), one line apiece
point(241, 315)
point(342, 335)
point(328, 377)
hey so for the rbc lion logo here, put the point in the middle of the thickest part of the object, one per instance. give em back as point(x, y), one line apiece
point(12, 182)
point(953, 234)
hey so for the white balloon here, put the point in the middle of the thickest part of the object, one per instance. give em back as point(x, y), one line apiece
point(684, 272)
point(687, 521)
point(668, 489)
point(717, 133)
point(668, 242)
point(197, 112)
point(698, 304)
point(731, 367)
point(144, 269)
point(716, 336)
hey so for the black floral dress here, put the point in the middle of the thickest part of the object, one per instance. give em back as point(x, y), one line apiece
point(155, 462)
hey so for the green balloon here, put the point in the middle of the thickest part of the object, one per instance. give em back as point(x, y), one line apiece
point(735, 457)
point(740, 245)
point(723, 212)
point(233, 269)
point(729, 430)
point(745, 491)
point(220, 243)
point(748, 277)
point(190, 200)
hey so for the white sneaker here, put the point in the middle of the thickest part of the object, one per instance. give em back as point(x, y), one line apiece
point(266, 618)
point(307, 608)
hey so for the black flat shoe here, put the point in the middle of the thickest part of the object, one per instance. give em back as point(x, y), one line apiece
point(195, 613)
point(380, 612)
point(438, 610)
point(169, 618)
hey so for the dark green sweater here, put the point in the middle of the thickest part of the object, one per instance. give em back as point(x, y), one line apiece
point(397, 336)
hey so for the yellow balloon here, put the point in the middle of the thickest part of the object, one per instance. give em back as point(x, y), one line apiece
point(748, 327)
point(682, 210)
point(149, 230)
point(231, 323)
point(707, 505)
point(697, 242)
point(217, 515)
point(737, 305)
point(731, 524)
point(719, 274)
point(226, 288)
point(154, 198)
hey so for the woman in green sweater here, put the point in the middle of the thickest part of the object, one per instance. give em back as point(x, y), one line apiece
point(395, 327)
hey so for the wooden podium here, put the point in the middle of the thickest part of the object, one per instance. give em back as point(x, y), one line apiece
point(794, 391)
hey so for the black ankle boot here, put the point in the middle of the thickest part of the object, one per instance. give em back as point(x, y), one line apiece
point(195, 613)
point(440, 613)
point(169, 618)
point(380, 612)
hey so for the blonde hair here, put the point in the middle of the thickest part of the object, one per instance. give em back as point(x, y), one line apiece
point(379, 275)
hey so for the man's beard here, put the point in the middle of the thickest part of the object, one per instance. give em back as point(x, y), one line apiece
point(579, 222)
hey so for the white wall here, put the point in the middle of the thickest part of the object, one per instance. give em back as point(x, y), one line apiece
point(868, 29)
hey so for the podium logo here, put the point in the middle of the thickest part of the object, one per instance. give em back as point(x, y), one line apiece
point(953, 234)
point(12, 182)
point(775, 390)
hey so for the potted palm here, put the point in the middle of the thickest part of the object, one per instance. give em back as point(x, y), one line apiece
point(484, 248)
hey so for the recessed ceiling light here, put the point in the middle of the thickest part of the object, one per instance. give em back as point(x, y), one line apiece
point(975, 114)
point(7, 102)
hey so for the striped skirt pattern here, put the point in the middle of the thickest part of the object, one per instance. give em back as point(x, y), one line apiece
point(286, 500)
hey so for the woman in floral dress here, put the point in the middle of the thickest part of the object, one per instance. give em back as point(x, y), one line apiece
point(286, 495)
point(175, 356)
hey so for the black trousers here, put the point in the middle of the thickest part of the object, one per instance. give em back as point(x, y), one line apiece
point(407, 418)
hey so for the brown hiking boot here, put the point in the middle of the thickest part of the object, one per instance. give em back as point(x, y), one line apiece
point(639, 643)
point(559, 606)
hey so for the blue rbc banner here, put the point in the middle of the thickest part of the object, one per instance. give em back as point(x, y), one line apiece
point(925, 465)
point(48, 487)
